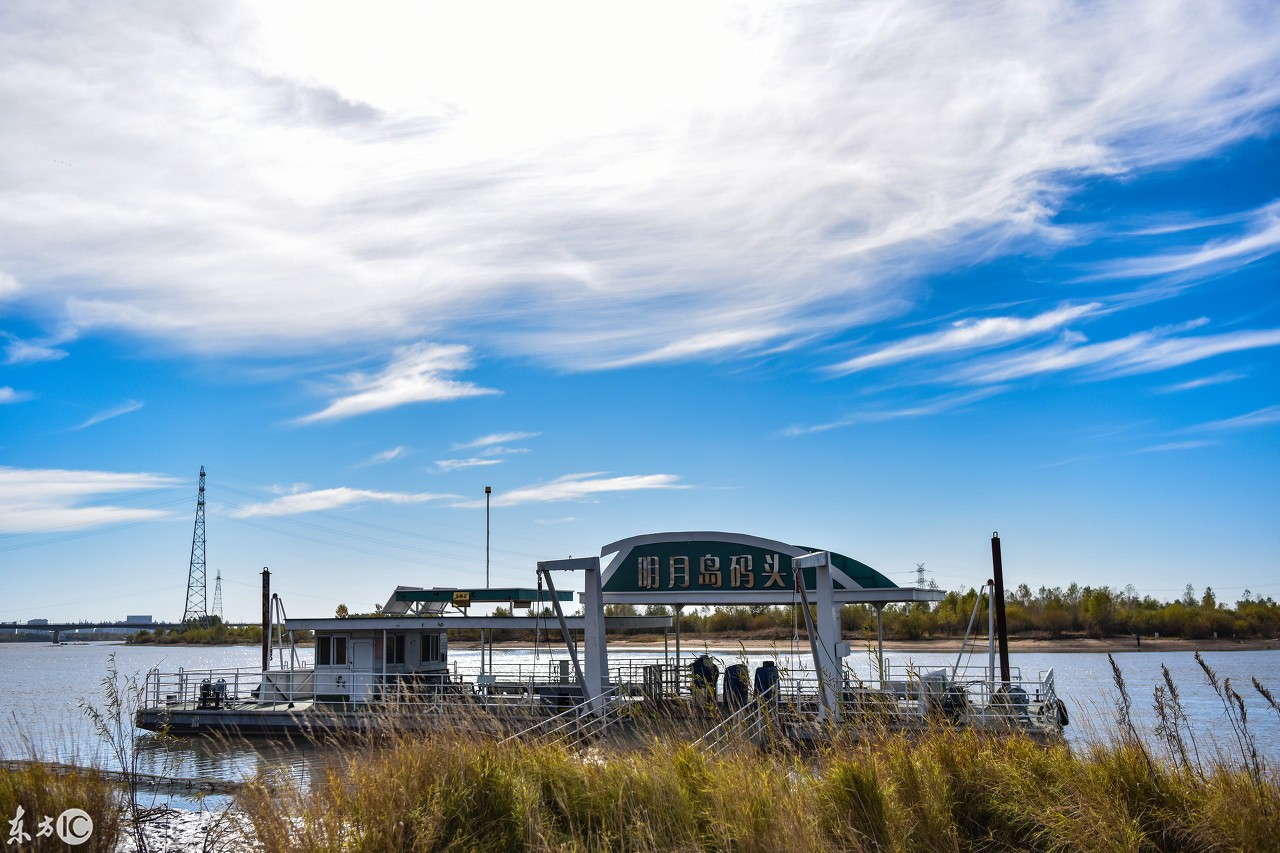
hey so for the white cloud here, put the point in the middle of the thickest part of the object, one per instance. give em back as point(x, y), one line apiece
point(1202, 382)
point(1214, 256)
point(123, 409)
point(446, 465)
point(325, 499)
point(1143, 352)
point(43, 500)
point(18, 351)
point(1260, 418)
point(936, 406)
point(387, 455)
point(1174, 446)
point(966, 335)
point(417, 374)
point(500, 450)
point(8, 395)
point(576, 487)
point(283, 177)
point(496, 438)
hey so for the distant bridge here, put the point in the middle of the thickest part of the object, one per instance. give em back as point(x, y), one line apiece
point(59, 628)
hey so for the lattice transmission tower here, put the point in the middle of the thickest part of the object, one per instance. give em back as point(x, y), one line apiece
point(197, 609)
point(217, 596)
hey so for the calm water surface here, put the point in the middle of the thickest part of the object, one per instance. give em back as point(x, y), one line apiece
point(41, 714)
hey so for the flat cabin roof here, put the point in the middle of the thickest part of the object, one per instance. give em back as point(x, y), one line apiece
point(452, 623)
point(677, 598)
point(510, 593)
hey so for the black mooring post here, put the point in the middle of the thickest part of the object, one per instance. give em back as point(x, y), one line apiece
point(1002, 630)
point(266, 619)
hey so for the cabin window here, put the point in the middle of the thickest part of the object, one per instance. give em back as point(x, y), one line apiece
point(331, 651)
point(395, 649)
point(430, 647)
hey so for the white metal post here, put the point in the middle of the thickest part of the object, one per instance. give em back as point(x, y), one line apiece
point(829, 658)
point(595, 652)
point(991, 638)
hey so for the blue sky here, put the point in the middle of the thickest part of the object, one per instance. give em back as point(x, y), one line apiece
point(874, 277)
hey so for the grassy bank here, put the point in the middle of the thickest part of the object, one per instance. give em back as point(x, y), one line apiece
point(46, 791)
point(941, 790)
point(947, 791)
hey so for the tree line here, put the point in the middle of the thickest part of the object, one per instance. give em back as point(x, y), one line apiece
point(1047, 612)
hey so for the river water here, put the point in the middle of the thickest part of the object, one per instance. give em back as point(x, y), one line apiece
point(46, 686)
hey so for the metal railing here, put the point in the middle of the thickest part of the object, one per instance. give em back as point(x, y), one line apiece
point(512, 697)
point(578, 724)
point(913, 696)
point(748, 724)
point(203, 686)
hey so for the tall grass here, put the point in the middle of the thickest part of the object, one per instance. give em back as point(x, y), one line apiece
point(44, 790)
point(948, 790)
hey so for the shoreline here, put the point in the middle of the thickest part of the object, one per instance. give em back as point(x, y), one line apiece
point(1023, 645)
point(1019, 645)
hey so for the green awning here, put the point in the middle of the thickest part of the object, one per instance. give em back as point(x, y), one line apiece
point(512, 594)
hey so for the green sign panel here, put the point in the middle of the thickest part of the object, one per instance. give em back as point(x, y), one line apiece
point(718, 563)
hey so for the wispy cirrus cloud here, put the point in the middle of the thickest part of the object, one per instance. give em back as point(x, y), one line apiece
point(416, 374)
point(1261, 238)
point(387, 455)
point(936, 406)
point(38, 500)
point(19, 351)
point(503, 450)
point(579, 487)
point(1202, 382)
point(1259, 418)
point(115, 412)
point(411, 185)
point(319, 500)
point(967, 334)
point(1174, 446)
point(495, 438)
point(447, 465)
point(1142, 352)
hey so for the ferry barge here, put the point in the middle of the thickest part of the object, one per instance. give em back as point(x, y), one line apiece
point(395, 670)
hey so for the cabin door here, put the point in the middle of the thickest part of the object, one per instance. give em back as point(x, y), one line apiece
point(362, 670)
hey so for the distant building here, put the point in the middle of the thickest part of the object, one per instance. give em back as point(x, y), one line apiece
point(139, 620)
point(37, 621)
